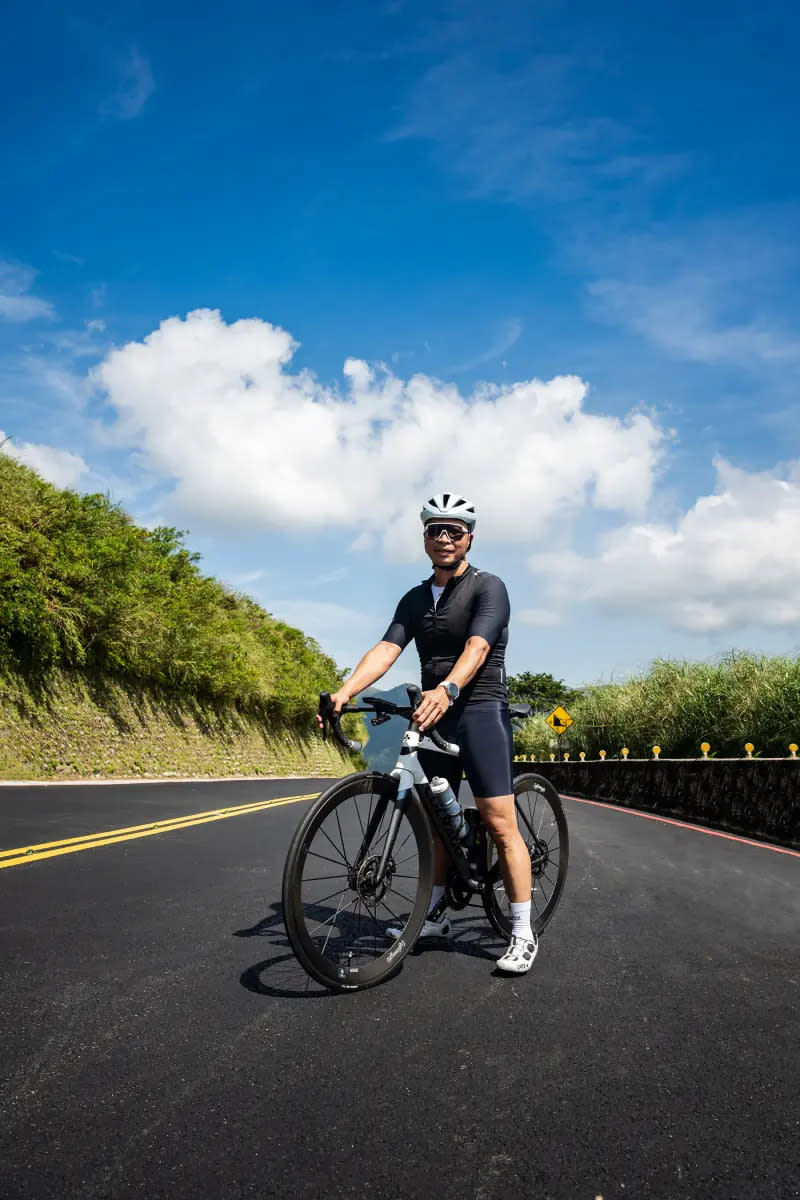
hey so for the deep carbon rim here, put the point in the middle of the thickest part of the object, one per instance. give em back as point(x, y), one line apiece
point(337, 917)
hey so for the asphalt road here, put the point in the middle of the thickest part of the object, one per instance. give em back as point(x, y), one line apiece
point(158, 1039)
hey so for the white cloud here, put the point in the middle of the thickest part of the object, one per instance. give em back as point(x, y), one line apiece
point(684, 316)
point(507, 336)
point(136, 86)
point(541, 618)
point(215, 408)
point(732, 560)
point(243, 578)
point(336, 576)
point(717, 291)
point(16, 281)
point(521, 131)
point(339, 629)
point(60, 467)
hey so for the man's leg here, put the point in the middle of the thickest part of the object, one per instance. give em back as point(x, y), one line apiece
point(499, 815)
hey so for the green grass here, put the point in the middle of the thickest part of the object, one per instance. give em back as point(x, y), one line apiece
point(83, 587)
point(678, 704)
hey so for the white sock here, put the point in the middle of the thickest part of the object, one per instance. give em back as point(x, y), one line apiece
point(521, 917)
point(436, 895)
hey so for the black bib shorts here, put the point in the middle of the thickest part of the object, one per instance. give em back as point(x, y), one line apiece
point(483, 731)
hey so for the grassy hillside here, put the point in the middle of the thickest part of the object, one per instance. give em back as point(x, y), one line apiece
point(678, 704)
point(82, 586)
point(89, 600)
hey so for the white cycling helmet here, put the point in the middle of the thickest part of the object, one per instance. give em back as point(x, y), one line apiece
point(449, 506)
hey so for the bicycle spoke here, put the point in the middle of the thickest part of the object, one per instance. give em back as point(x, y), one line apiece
point(341, 835)
point(335, 892)
point(336, 848)
point(361, 823)
point(322, 924)
point(369, 814)
point(393, 914)
point(330, 931)
point(400, 861)
point(330, 860)
point(405, 839)
point(318, 878)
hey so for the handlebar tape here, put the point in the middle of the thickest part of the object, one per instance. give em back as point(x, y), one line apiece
point(329, 717)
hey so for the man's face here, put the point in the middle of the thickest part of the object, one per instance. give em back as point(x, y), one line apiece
point(446, 542)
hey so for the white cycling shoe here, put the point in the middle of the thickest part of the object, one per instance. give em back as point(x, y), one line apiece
point(519, 956)
point(436, 929)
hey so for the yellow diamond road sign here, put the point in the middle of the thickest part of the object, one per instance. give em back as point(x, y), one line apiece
point(559, 720)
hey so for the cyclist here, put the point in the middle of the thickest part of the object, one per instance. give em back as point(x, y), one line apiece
point(458, 618)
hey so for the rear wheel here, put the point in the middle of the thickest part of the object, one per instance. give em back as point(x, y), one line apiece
point(543, 825)
point(337, 917)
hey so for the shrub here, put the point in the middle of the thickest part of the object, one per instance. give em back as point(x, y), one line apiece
point(82, 586)
point(679, 704)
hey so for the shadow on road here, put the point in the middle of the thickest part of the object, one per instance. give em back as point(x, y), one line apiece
point(281, 975)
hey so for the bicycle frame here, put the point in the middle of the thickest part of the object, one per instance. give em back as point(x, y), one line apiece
point(411, 778)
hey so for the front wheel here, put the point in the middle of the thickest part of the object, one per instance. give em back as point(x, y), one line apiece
point(543, 825)
point(338, 916)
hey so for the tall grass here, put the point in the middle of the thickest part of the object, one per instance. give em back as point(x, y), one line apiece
point(81, 586)
point(678, 704)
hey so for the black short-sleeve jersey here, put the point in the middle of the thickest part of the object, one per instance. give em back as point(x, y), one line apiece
point(474, 604)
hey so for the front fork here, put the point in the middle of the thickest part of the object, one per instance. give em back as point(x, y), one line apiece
point(373, 825)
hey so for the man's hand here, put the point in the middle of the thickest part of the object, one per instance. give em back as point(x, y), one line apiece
point(432, 708)
point(339, 700)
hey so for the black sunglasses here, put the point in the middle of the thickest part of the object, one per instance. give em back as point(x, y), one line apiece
point(453, 532)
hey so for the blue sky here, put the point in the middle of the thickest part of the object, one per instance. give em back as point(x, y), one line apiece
point(272, 273)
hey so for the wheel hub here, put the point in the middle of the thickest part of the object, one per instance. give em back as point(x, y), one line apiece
point(539, 856)
point(363, 882)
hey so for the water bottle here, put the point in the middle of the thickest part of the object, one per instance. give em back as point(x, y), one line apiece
point(449, 806)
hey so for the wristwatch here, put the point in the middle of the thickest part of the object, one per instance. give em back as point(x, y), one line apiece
point(452, 689)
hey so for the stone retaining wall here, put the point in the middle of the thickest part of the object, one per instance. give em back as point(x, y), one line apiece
point(757, 797)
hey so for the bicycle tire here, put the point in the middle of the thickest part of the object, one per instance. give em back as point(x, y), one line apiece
point(498, 918)
point(316, 965)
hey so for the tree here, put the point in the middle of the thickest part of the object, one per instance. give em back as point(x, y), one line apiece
point(539, 689)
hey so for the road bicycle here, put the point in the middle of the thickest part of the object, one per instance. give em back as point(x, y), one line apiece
point(361, 861)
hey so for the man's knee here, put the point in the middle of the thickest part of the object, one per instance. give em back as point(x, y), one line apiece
point(500, 817)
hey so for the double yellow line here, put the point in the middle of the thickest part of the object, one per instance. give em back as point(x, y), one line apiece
point(88, 841)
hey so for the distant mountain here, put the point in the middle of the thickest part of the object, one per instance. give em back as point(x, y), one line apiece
point(384, 740)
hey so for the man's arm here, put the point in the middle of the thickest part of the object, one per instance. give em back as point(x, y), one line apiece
point(435, 703)
point(373, 665)
point(376, 662)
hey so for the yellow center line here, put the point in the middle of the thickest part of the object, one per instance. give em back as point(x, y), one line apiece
point(23, 854)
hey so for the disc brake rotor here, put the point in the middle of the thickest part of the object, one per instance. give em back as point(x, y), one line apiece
point(540, 856)
point(363, 882)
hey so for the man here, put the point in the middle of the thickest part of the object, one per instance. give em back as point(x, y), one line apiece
point(459, 621)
